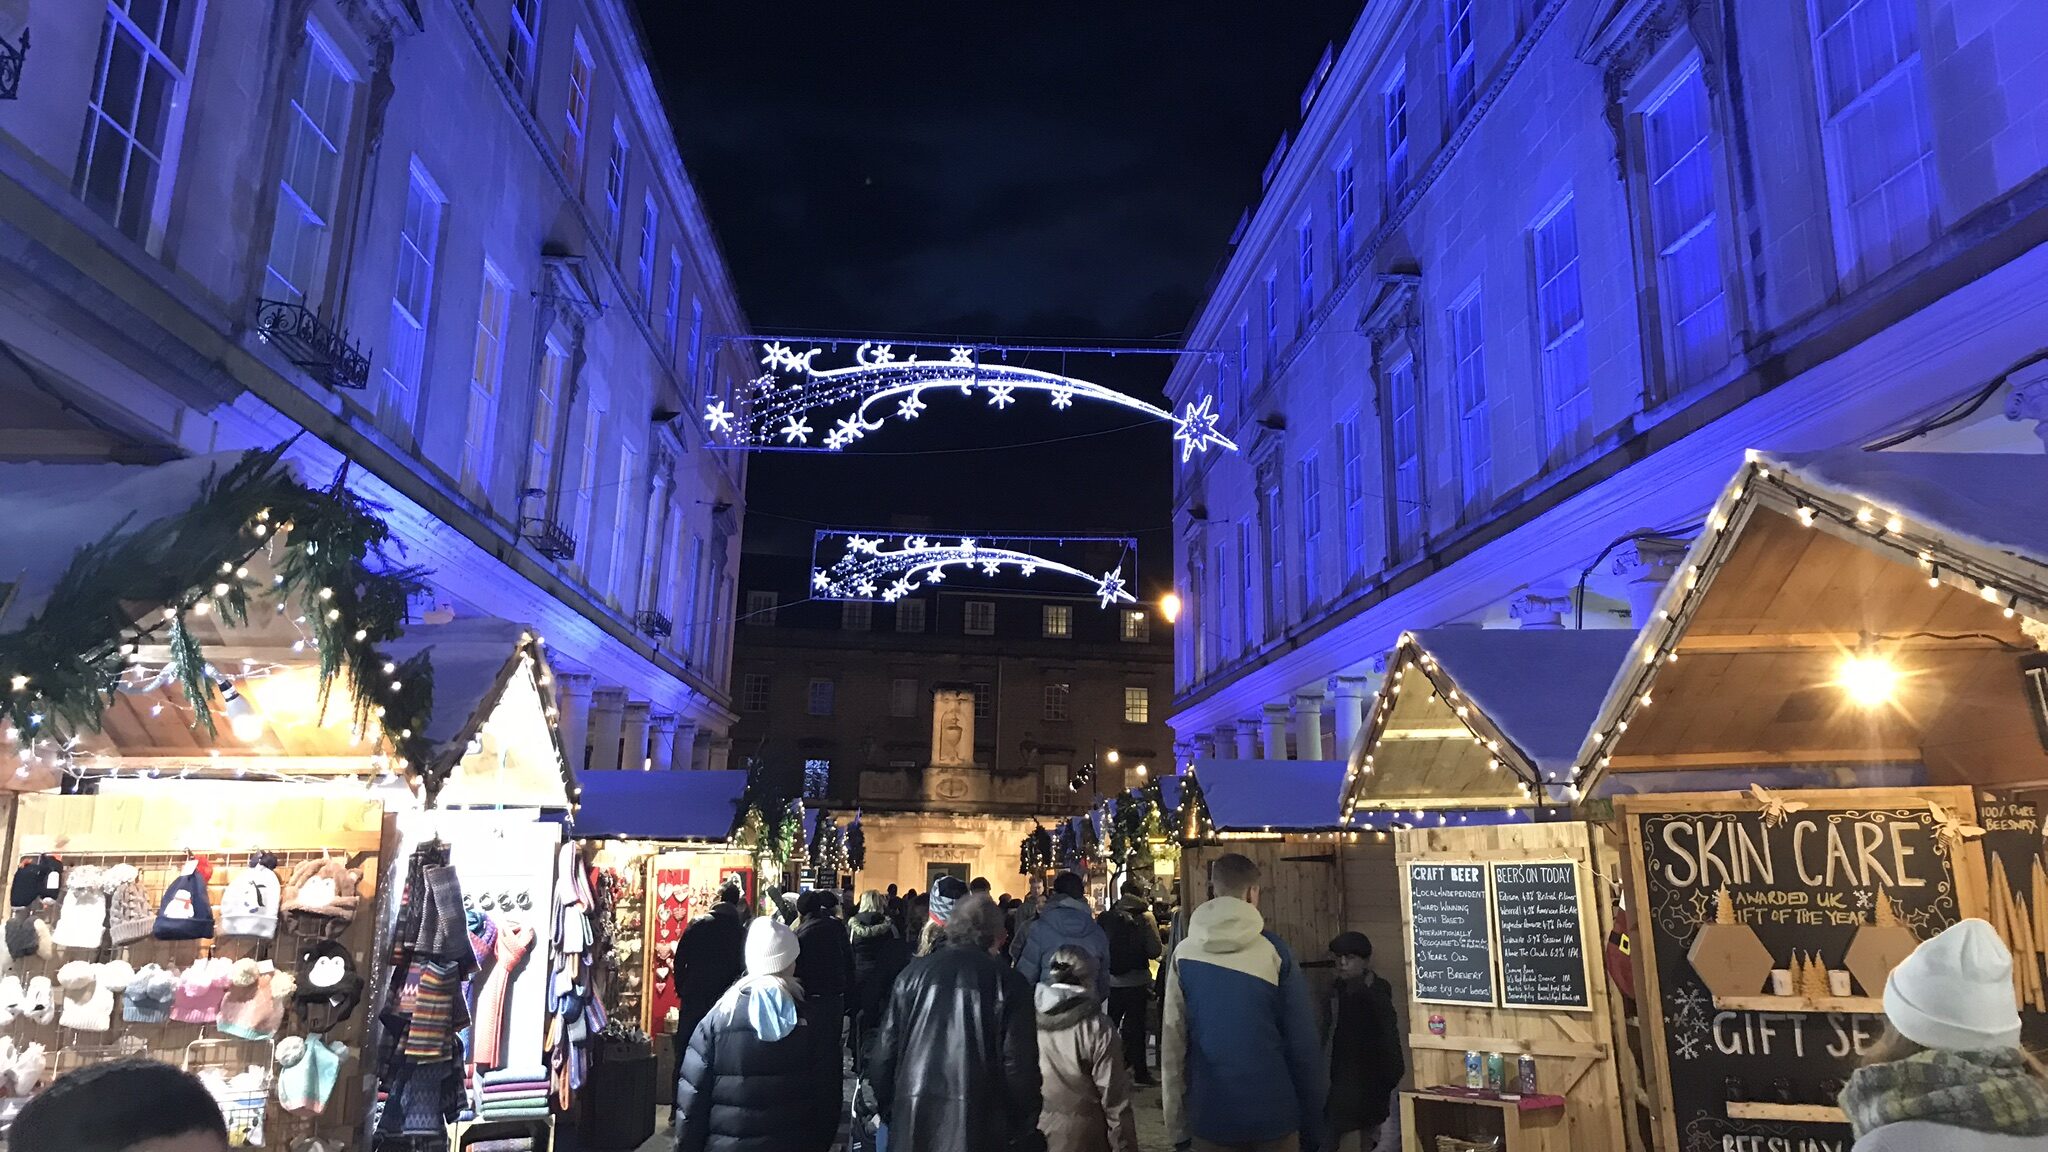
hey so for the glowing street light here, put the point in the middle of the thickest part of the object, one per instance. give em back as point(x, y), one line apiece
point(1169, 607)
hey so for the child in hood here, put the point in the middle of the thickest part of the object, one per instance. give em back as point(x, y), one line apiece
point(1948, 1075)
point(759, 1061)
point(1087, 1086)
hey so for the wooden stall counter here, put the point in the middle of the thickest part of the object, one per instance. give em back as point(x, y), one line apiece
point(1476, 1119)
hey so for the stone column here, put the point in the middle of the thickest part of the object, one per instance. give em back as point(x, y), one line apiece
point(572, 714)
point(682, 746)
point(1247, 739)
point(721, 753)
point(700, 752)
point(1276, 733)
point(1536, 612)
point(633, 737)
point(2028, 399)
point(1646, 566)
point(1349, 693)
point(661, 738)
point(1308, 725)
point(1205, 747)
point(607, 719)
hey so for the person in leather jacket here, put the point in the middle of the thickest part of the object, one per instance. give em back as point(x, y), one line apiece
point(955, 1062)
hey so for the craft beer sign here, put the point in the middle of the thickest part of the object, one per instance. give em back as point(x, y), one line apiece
point(1767, 924)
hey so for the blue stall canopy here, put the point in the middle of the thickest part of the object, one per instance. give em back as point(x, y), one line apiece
point(671, 806)
point(1271, 795)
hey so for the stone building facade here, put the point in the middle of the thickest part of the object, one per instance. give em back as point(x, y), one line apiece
point(447, 244)
point(836, 700)
point(1530, 276)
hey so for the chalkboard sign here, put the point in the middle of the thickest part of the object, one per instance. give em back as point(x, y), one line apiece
point(2016, 865)
point(1451, 947)
point(1542, 946)
point(1743, 888)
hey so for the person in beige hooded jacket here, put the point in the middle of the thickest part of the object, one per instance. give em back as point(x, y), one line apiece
point(1087, 1087)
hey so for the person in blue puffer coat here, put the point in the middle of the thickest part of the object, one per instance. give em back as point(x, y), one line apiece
point(1065, 920)
point(1240, 1059)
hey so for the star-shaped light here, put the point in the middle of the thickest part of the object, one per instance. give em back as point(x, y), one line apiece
point(819, 580)
point(898, 590)
point(1027, 568)
point(776, 355)
point(797, 431)
point(1195, 430)
point(963, 355)
point(1001, 395)
point(719, 417)
point(848, 430)
point(1062, 397)
point(990, 567)
point(1110, 589)
point(867, 587)
point(967, 544)
point(910, 406)
point(884, 354)
point(860, 544)
point(937, 574)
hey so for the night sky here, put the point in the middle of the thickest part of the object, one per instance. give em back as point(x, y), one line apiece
point(1051, 172)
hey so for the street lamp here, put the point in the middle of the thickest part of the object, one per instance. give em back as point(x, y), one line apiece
point(1112, 757)
point(1169, 606)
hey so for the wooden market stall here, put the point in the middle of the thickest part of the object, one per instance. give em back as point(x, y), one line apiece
point(1501, 901)
point(1833, 698)
point(257, 751)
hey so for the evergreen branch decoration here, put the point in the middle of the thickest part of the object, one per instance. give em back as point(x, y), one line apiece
point(331, 551)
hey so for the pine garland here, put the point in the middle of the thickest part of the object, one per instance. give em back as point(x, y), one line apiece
point(332, 561)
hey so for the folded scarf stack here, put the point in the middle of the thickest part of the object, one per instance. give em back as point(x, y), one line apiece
point(513, 1095)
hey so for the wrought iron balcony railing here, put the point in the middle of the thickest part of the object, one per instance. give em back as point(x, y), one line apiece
point(654, 624)
point(547, 537)
point(308, 342)
point(12, 56)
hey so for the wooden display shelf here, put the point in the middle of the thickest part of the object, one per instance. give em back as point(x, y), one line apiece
point(1425, 1115)
point(1797, 1113)
point(1866, 1005)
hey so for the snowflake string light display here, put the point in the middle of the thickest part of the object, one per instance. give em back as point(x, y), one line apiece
point(774, 407)
point(861, 566)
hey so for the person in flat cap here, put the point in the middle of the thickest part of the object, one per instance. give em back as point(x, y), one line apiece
point(1363, 1038)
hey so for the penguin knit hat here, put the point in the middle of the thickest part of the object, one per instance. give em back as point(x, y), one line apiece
point(249, 906)
point(40, 878)
point(1955, 991)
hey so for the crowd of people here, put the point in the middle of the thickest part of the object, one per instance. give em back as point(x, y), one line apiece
point(983, 1025)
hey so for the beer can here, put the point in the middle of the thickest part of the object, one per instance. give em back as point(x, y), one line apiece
point(1496, 1072)
point(1525, 1074)
point(1475, 1070)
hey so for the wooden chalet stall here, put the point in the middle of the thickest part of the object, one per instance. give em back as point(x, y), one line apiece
point(212, 661)
point(1836, 695)
point(1491, 900)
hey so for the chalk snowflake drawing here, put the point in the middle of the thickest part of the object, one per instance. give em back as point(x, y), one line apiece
point(1689, 1047)
point(1692, 1003)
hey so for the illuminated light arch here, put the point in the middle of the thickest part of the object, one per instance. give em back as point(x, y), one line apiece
point(888, 566)
point(776, 406)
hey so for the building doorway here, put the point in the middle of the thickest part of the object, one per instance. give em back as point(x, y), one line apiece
point(932, 872)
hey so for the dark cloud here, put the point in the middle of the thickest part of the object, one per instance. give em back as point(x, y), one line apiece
point(1008, 170)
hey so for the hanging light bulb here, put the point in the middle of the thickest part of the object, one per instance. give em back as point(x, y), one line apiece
point(1868, 678)
point(242, 718)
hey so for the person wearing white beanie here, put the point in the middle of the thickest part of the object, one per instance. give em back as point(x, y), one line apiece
point(760, 1072)
point(1948, 1076)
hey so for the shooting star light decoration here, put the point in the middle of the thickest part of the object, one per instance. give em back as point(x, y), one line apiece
point(889, 567)
point(775, 407)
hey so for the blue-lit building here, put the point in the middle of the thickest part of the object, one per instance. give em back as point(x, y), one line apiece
point(448, 244)
point(1529, 276)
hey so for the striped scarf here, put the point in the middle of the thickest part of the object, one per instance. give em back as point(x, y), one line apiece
point(431, 1034)
point(1987, 1091)
point(514, 942)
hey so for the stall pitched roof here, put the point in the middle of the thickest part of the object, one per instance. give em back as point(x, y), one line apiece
point(1925, 560)
point(676, 806)
point(1271, 795)
point(479, 663)
point(1495, 714)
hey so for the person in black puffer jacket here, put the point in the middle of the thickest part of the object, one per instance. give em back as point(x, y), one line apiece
point(879, 954)
point(760, 1075)
point(825, 965)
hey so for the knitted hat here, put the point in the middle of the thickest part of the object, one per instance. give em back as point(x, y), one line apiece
point(88, 1000)
point(1955, 991)
point(185, 913)
point(943, 894)
point(22, 938)
point(148, 998)
point(249, 906)
point(130, 916)
point(323, 888)
point(39, 1000)
point(37, 878)
point(771, 947)
point(329, 988)
point(256, 999)
point(307, 1070)
point(82, 921)
point(200, 990)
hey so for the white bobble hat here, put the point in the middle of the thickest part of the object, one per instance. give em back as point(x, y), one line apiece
point(1955, 991)
point(771, 947)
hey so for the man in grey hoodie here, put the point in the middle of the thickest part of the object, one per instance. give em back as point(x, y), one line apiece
point(1065, 919)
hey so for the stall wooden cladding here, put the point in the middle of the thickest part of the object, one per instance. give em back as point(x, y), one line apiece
point(1574, 1050)
point(1309, 891)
